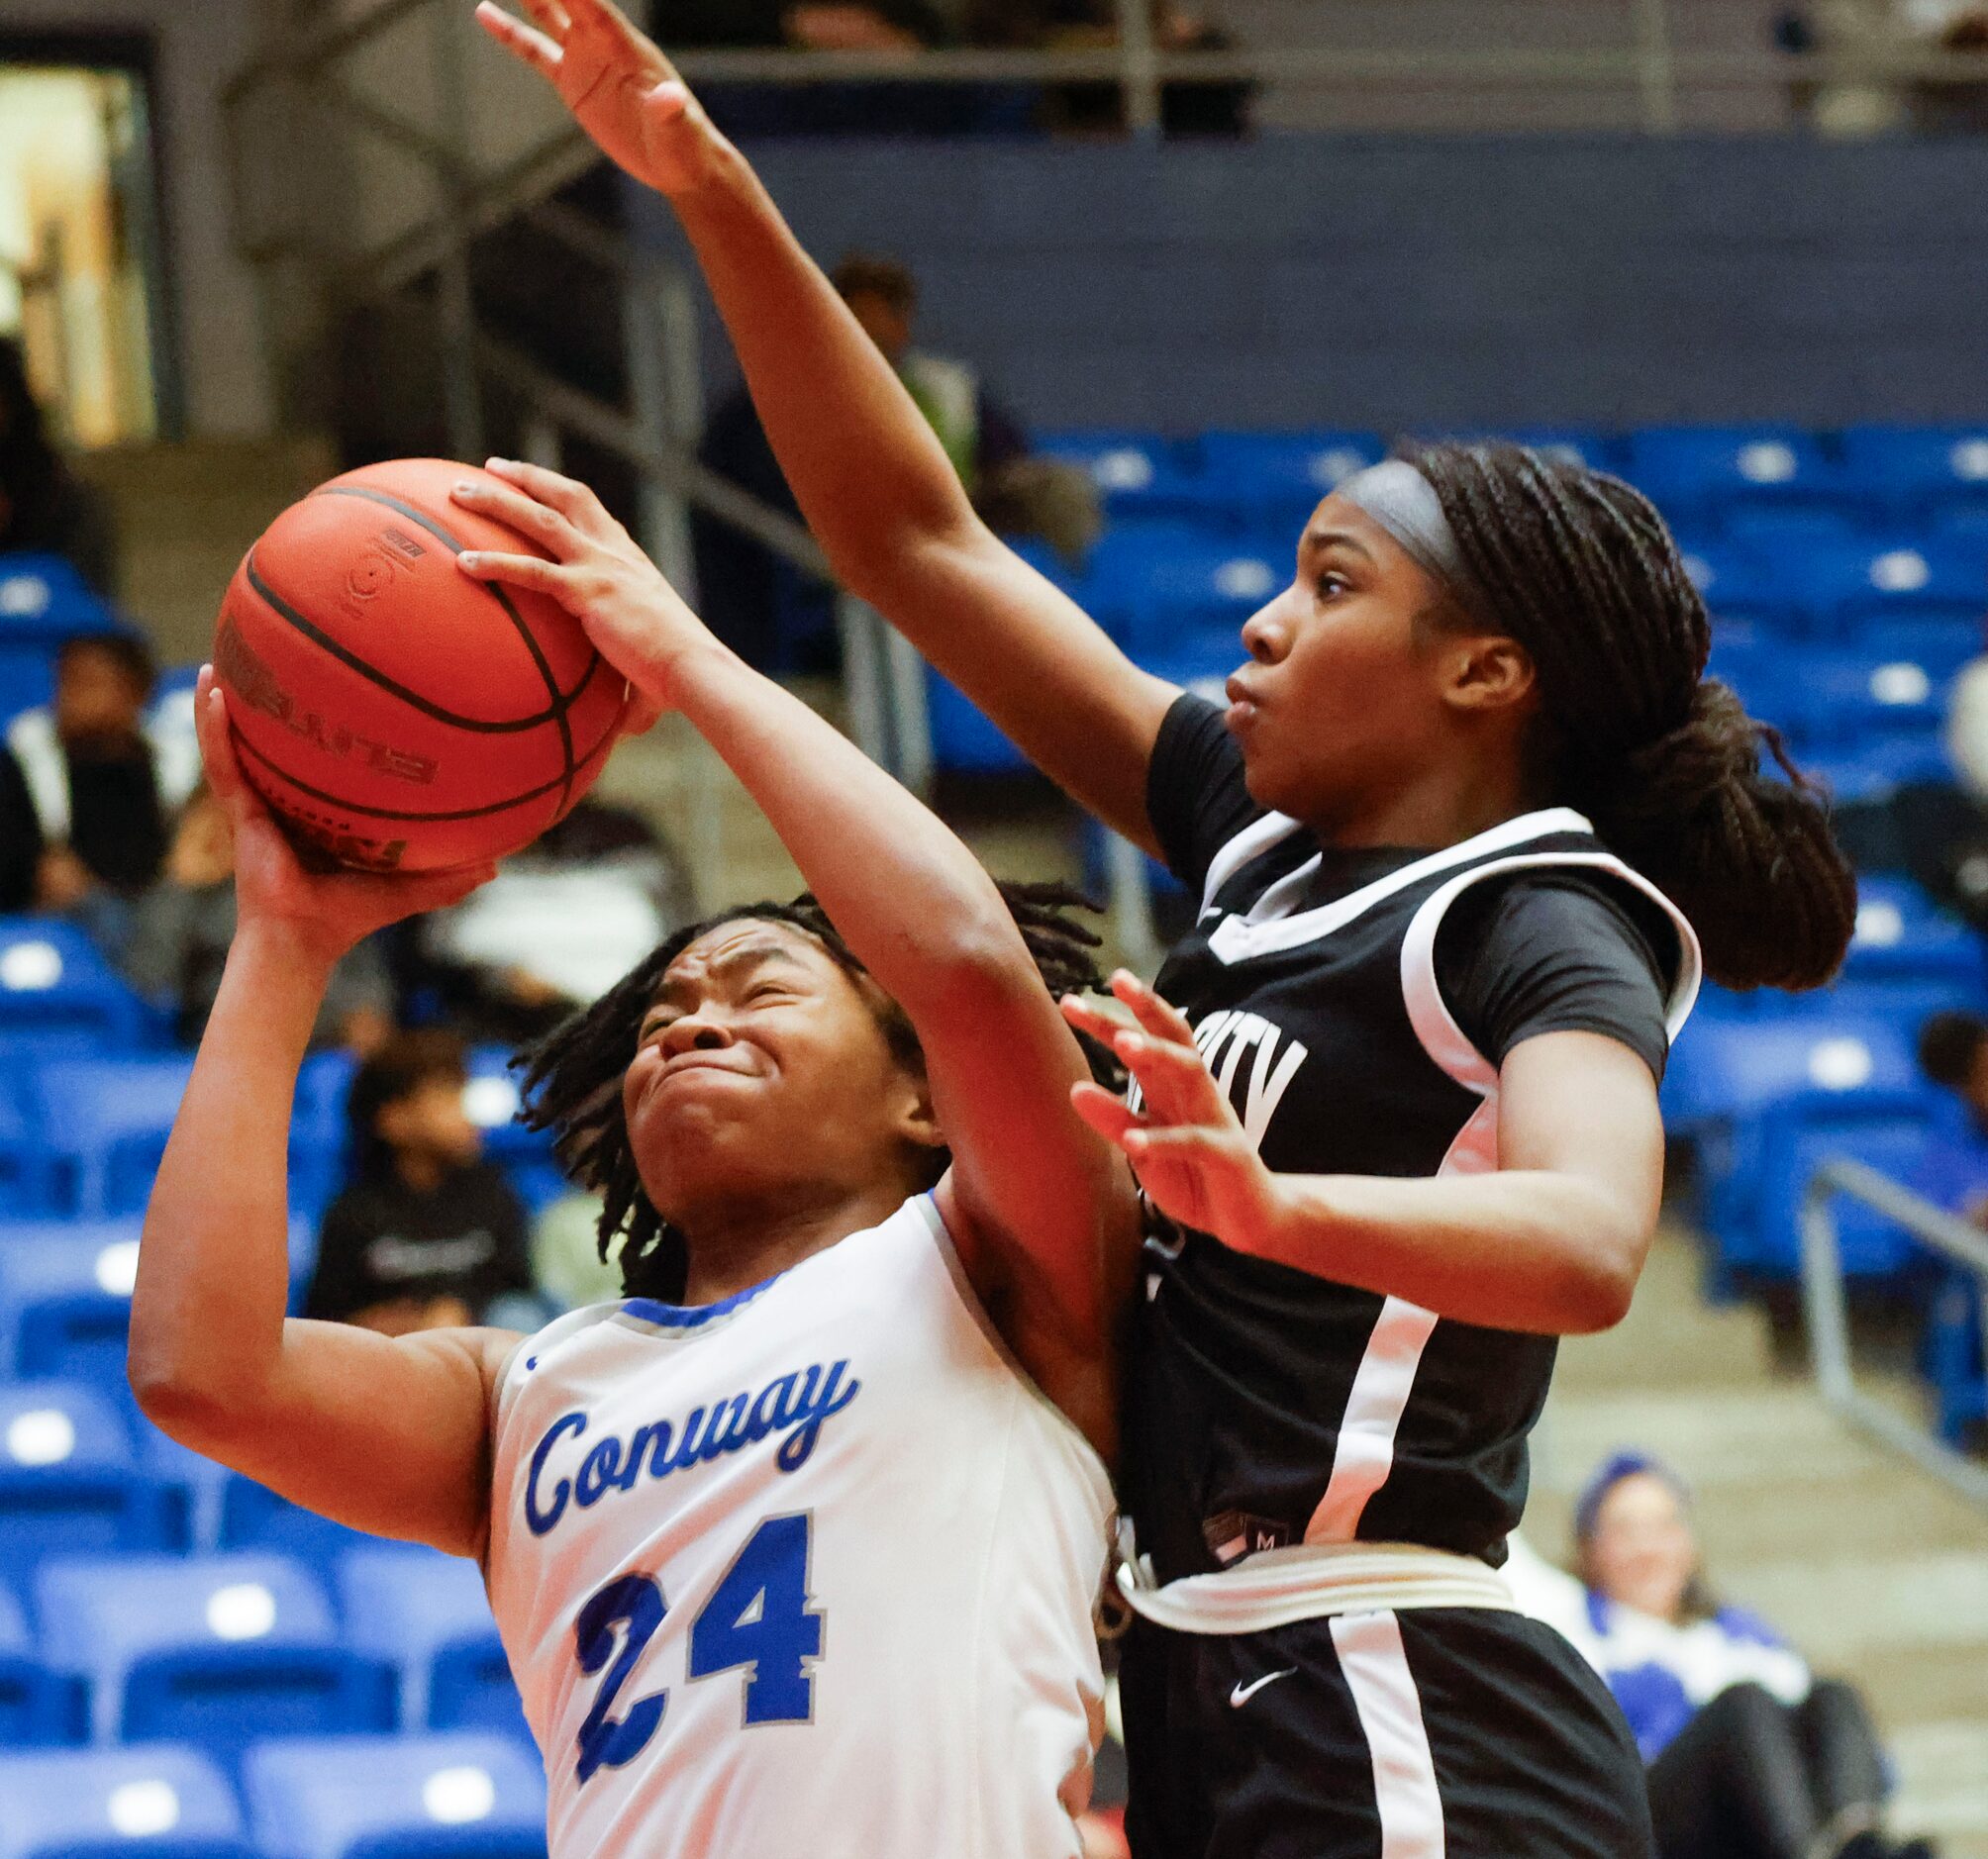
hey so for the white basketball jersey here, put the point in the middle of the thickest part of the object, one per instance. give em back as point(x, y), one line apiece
point(810, 1570)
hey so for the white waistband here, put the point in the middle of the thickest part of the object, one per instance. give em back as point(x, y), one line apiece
point(1311, 1581)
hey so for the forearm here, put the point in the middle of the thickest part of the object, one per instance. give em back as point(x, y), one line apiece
point(910, 901)
point(213, 1283)
point(870, 476)
point(1525, 1249)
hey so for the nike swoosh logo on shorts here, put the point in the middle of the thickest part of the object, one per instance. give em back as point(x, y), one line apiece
point(1244, 1692)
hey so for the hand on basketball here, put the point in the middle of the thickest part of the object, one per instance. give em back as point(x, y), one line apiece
point(1190, 1152)
point(617, 84)
point(636, 619)
point(327, 913)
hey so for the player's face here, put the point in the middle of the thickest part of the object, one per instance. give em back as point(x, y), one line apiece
point(1349, 695)
point(1643, 1553)
point(762, 1071)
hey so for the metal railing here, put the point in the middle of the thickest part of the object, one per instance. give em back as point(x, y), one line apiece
point(1825, 1300)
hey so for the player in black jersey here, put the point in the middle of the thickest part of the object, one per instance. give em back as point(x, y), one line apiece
point(1459, 841)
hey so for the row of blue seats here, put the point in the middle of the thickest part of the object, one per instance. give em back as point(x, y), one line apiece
point(220, 1649)
point(43, 602)
point(1700, 475)
point(462, 1796)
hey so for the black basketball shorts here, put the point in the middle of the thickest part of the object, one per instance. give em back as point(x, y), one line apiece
point(1439, 1733)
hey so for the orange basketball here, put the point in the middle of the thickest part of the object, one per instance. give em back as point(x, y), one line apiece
point(397, 715)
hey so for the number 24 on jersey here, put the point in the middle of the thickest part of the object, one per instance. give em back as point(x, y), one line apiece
point(757, 1617)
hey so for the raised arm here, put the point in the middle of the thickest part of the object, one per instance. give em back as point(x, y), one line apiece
point(386, 1436)
point(874, 482)
point(1044, 1211)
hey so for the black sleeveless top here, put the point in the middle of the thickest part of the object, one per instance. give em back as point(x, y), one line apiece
point(1355, 1006)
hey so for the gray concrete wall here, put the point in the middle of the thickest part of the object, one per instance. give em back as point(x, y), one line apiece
point(1449, 282)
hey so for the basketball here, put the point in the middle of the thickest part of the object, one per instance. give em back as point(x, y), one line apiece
point(396, 714)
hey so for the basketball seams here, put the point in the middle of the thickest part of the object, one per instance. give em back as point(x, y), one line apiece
point(557, 699)
point(330, 799)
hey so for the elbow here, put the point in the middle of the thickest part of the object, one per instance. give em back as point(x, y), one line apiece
point(1598, 1294)
point(185, 1404)
point(892, 570)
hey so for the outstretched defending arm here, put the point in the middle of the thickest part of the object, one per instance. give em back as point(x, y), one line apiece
point(1552, 1242)
point(1044, 1211)
point(874, 482)
point(386, 1436)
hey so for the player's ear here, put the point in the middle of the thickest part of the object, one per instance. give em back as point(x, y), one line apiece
point(917, 1122)
point(1488, 671)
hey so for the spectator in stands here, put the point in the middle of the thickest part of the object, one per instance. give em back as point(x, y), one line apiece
point(179, 932)
point(88, 785)
point(1198, 108)
point(426, 1234)
point(763, 609)
point(45, 508)
point(1750, 1756)
point(1953, 1172)
point(557, 926)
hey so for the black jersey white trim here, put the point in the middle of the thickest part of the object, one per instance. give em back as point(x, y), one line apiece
point(1270, 928)
point(1385, 1378)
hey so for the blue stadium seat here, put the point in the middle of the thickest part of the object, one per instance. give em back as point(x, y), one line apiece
point(319, 1139)
point(459, 1796)
point(217, 1650)
point(159, 1799)
point(104, 1123)
point(1877, 767)
point(1952, 1355)
point(68, 1483)
point(963, 741)
point(427, 1613)
point(1273, 481)
point(37, 1706)
point(1726, 1070)
point(58, 993)
point(1849, 698)
point(1886, 1131)
point(1169, 589)
point(1923, 578)
point(43, 598)
point(1917, 471)
point(1139, 476)
point(1903, 936)
point(1739, 585)
point(27, 677)
point(66, 1298)
point(253, 1516)
point(492, 1102)
point(1696, 474)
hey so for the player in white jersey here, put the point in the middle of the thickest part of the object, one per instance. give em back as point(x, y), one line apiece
point(795, 1547)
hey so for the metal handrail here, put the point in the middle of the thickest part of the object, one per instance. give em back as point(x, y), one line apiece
point(1827, 1306)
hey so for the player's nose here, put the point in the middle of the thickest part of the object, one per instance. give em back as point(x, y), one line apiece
point(694, 1032)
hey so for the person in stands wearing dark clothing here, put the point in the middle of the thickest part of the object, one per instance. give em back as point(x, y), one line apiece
point(426, 1234)
point(769, 614)
point(45, 508)
point(86, 794)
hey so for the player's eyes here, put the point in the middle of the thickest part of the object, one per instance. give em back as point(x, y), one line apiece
point(1331, 583)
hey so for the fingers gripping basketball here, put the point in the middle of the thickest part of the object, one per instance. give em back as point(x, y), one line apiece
point(395, 714)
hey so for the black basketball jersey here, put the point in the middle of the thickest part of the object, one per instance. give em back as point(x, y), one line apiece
point(1266, 1406)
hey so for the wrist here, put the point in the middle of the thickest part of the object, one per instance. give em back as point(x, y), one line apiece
point(719, 176)
point(295, 946)
point(1285, 1225)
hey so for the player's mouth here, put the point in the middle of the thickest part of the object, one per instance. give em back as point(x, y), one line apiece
point(1242, 706)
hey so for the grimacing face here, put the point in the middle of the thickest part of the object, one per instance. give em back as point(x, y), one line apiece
point(1350, 693)
point(764, 1071)
point(1643, 1553)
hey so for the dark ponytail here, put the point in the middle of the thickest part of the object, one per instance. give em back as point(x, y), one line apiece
point(1581, 570)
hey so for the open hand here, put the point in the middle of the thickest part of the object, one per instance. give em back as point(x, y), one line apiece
point(617, 84)
point(1189, 1150)
point(598, 573)
point(328, 915)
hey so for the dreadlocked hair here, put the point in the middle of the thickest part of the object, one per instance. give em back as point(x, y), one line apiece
point(572, 1079)
point(1581, 570)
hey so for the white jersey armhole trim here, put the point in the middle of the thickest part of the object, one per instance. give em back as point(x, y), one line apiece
point(1474, 1150)
point(969, 1301)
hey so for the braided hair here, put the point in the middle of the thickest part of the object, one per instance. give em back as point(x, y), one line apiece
point(572, 1079)
point(1581, 570)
